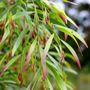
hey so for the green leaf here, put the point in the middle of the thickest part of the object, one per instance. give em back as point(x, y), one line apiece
point(6, 34)
point(13, 60)
point(71, 32)
point(36, 19)
point(17, 15)
point(48, 44)
point(56, 66)
point(68, 33)
point(49, 84)
point(80, 38)
point(73, 52)
point(47, 47)
point(34, 80)
point(18, 42)
point(47, 3)
point(71, 71)
point(31, 50)
point(69, 55)
point(69, 19)
point(56, 19)
point(8, 82)
point(28, 19)
point(67, 1)
point(2, 5)
point(2, 60)
point(20, 15)
point(56, 74)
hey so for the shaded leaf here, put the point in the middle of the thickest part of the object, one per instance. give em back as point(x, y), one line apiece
point(47, 47)
point(13, 60)
point(32, 47)
point(18, 42)
point(59, 81)
point(35, 80)
point(49, 84)
point(55, 64)
point(1, 61)
point(6, 33)
point(73, 53)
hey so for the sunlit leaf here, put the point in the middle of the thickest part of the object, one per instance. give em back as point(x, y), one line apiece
point(71, 21)
point(71, 32)
point(71, 71)
point(67, 1)
point(68, 33)
point(2, 5)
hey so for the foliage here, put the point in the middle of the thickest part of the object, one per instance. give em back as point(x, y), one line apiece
point(31, 51)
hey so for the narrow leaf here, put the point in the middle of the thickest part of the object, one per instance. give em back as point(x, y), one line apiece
point(49, 84)
point(6, 33)
point(2, 60)
point(32, 47)
point(18, 42)
point(73, 53)
point(71, 21)
point(11, 62)
point(67, 1)
point(47, 47)
point(65, 31)
point(56, 74)
point(71, 32)
point(34, 79)
point(71, 71)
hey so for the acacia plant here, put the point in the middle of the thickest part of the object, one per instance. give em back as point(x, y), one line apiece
point(32, 53)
